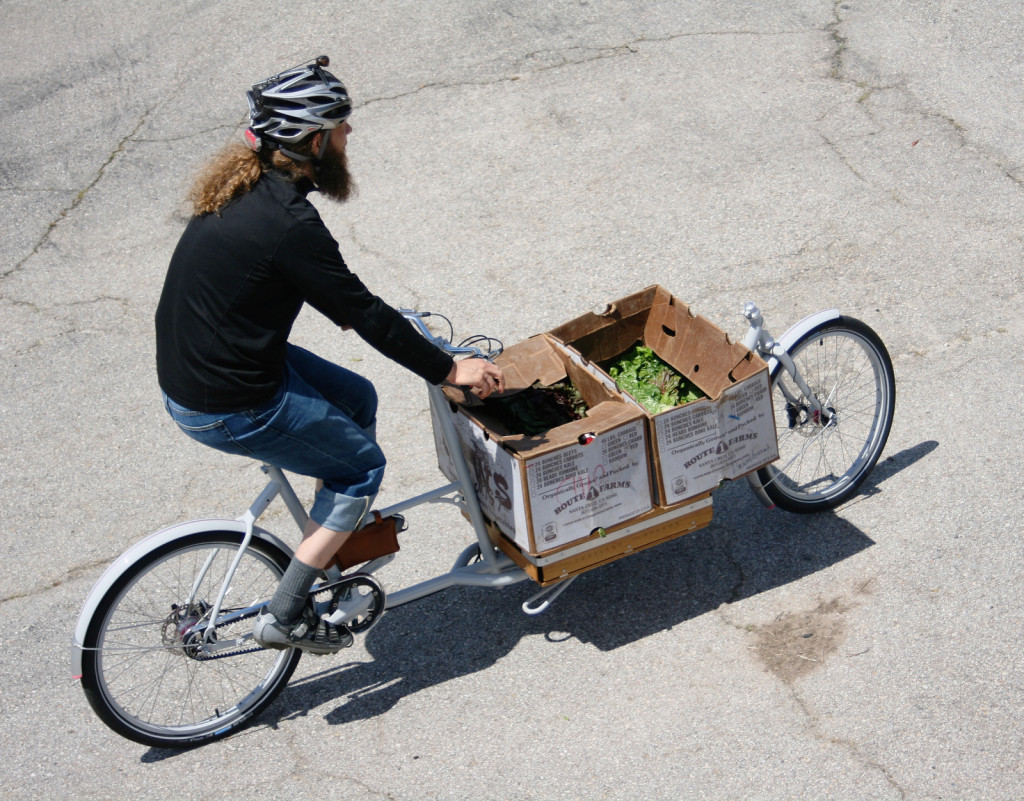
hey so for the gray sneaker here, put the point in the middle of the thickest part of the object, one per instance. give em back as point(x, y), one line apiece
point(311, 634)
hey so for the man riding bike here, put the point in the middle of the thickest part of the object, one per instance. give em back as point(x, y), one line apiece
point(255, 251)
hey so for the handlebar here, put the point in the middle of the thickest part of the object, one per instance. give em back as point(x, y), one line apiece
point(470, 346)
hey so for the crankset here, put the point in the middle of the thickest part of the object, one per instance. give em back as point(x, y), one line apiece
point(356, 601)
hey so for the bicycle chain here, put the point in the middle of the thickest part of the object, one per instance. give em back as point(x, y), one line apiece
point(194, 649)
point(336, 588)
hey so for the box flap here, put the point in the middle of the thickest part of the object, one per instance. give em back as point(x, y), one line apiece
point(606, 334)
point(523, 364)
point(593, 391)
point(697, 348)
point(528, 362)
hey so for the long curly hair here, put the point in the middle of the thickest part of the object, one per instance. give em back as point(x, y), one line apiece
point(234, 171)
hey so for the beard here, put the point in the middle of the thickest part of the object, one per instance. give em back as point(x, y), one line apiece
point(333, 177)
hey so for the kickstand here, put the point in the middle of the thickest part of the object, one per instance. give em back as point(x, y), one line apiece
point(552, 592)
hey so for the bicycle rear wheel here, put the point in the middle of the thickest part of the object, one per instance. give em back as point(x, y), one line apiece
point(823, 459)
point(144, 673)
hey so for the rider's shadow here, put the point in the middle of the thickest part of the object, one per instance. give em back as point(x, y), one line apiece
point(745, 551)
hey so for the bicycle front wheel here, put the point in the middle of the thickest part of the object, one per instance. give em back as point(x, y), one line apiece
point(145, 670)
point(824, 458)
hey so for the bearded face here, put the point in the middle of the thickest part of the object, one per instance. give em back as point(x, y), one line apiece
point(332, 175)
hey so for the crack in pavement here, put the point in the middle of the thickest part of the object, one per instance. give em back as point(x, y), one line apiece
point(559, 58)
point(797, 644)
point(76, 572)
point(853, 748)
point(79, 197)
point(64, 321)
point(841, 73)
point(838, 40)
point(596, 54)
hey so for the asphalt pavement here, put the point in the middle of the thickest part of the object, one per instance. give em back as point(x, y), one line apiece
point(519, 163)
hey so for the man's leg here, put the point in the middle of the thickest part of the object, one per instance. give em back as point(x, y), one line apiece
point(318, 545)
point(318, 437)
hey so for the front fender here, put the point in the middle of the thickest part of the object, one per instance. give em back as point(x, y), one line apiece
point(139, 550)
point(794, 333)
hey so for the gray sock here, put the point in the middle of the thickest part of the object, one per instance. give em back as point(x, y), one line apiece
point(290, 597)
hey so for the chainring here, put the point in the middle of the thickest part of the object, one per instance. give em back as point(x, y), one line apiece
point(362, 592)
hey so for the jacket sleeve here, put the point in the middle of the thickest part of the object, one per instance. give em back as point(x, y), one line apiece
point(310, 258)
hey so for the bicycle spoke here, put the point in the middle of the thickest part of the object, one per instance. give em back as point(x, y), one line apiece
point(153, 664)
point(825, 454)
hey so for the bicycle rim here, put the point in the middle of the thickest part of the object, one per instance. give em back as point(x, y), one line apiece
point(823, 460)
point(143, 673)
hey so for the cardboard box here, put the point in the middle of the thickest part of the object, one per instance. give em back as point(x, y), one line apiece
point(697, 445)
point(545, 491)
point(648, 530)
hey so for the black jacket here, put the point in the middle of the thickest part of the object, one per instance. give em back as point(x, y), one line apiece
point(235, 285)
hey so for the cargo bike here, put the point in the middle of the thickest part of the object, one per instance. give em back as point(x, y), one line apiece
point(163, 644)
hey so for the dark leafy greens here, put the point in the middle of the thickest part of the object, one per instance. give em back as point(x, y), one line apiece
point(538, 408)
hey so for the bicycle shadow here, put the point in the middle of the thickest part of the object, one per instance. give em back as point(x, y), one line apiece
point(745, 551)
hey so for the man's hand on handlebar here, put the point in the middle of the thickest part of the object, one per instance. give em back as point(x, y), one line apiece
point(481, 376)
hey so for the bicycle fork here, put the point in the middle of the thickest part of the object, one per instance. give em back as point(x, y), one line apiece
point(776, 353)
point(758, 339)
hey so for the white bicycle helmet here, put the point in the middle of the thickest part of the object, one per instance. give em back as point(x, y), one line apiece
point(288, 107)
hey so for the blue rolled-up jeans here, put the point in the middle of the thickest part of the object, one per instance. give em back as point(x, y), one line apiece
point(320, 423)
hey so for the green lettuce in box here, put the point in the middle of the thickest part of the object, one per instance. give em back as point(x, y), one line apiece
point(651, 382)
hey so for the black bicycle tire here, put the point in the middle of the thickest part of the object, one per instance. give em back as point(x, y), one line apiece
point(95, 686)
point(804, 503)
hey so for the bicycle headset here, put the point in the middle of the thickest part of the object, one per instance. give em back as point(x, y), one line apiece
point(286, 108)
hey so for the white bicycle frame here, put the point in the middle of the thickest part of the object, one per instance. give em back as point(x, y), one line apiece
point(481, 564)
point(492, 570)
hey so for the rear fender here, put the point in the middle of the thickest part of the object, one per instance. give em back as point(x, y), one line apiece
point(140, 550)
